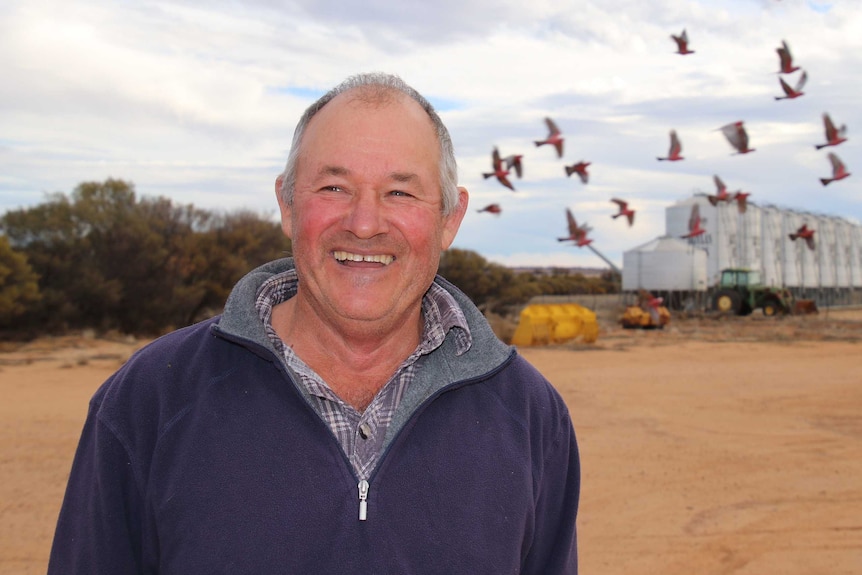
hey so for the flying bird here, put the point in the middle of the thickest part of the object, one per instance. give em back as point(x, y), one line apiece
point(581, 169)
point(499, 171)
point(737, 136)
point(795, 92)
point(833, 136)
point(804, 233)
point(514, 161)
point(721, 194)
point(491, 209)
point(624, 210)
point(555, 137)
point(682, 43)
point(741, 199)
point(675, 149)
point(839, 172)
point(785, 59)
point(694, 228)
point(578, 234)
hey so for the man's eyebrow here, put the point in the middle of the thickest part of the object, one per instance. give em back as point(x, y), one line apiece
point(333, 171)
point(403, 177)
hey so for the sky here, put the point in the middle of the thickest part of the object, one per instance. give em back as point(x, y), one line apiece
point(197, 102)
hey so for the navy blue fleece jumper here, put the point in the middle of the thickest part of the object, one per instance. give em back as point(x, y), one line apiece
point(201, 456)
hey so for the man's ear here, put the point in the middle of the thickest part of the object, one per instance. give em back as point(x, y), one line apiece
point(286, 226)
point(452, 222)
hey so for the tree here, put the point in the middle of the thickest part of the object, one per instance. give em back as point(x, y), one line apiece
point(109, 260)
point(18, 284)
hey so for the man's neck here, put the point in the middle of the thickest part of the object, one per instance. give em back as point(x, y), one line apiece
point(355, 359)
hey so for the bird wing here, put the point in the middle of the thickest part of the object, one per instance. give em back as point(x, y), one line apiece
point(495, 159)
point(785, 56)
point(694, 218)
point(786, 87)
point(573, 225)
point(802, 79)
point(829, 127)
point(736, 135)
point(718, 183)
point(620, 203)
point(837, 164)
point(505, 181)
point(552, 127)
point(514, 161)
point(675, 146)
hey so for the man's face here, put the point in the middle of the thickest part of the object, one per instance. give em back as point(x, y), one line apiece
point(366, 222)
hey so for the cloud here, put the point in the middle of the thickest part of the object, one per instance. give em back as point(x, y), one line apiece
point(198, 101)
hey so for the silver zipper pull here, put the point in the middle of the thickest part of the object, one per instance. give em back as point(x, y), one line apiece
point(363, 500)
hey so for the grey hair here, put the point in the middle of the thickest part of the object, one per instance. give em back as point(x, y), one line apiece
point(383, 83)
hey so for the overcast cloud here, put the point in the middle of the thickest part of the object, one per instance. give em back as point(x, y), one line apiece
point(197, 102)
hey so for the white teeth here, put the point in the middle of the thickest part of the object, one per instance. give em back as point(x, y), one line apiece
point(377, 258)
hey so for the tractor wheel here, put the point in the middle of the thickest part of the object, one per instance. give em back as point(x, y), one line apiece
point(771, 307)
point(727, 302)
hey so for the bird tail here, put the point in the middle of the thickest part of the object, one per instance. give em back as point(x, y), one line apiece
point(538, 143)
point(825, 181)
point(486, 176)
point(712, 200)
point(569, 170)
point(820, 146)
point(793, 237)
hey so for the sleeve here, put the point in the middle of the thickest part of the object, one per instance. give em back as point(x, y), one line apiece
point(554, 549)
point(98, 530)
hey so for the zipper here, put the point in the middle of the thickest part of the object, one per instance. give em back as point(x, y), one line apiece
point(363, 500)
point(363, 484)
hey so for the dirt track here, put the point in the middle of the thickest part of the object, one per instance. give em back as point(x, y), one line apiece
point(710, 447)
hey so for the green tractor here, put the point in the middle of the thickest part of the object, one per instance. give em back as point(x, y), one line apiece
point(740, 291)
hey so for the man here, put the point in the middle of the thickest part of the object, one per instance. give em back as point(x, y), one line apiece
point(349, 412)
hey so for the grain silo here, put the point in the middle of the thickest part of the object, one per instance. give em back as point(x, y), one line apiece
point(759, 239)
point(667, 267)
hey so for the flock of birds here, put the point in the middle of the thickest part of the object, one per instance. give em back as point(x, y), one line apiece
point(734, 132)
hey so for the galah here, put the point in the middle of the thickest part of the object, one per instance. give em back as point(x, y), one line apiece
point(624, 210)
point(785, 59)
point(694, 228)
point(737, 136)
point(555, 137)
point(514, 161)
point(804, 233)
point(491, 209)
point(578, 234)
point(741, 199)
point(795, 92)
point(581, 169)
point(721, 194)
point(499, 171)
point(675, 149)
point(839, 172)
point(833, 136)
point(682, 43)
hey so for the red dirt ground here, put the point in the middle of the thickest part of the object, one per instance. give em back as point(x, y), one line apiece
point(709, 447)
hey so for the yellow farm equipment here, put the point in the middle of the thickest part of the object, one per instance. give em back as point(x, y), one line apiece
point(543, 324)
point(637, 317)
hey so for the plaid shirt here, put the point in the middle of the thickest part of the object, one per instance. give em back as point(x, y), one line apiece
point(361, 435)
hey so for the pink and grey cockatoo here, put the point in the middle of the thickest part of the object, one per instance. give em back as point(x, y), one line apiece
point(555, 137)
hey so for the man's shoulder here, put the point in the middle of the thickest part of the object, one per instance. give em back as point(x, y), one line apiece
point(167, 374)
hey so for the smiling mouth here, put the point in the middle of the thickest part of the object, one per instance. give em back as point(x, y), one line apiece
point(383, 259)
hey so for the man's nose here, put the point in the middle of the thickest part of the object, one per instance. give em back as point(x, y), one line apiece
point(366, 217)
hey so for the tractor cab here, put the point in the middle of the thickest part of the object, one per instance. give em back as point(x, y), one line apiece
point(733, 278)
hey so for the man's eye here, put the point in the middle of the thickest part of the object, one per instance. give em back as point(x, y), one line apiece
point(332, 188)
point(399, 194)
